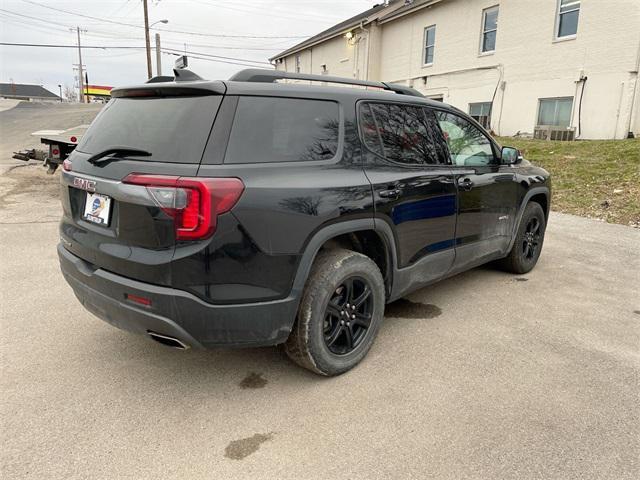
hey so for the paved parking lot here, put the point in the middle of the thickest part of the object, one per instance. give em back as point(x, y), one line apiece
point(485, 375)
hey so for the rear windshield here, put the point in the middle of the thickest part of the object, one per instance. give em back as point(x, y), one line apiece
point(174, 130)
point(273, 129)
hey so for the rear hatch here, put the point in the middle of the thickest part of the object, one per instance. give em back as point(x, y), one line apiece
point(112, 218)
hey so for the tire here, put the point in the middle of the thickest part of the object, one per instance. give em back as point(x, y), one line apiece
point(318, 341)
point(528, 243)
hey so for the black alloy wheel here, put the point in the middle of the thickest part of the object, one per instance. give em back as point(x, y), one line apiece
point(531, 239)
point(348, 316)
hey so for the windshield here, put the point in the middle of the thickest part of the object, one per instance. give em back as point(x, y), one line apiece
point(174, 130)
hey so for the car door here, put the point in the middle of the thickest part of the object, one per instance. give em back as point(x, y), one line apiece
point(413, 187)
point(487, 191)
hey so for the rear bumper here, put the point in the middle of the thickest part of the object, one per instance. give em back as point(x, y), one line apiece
point(176, 313)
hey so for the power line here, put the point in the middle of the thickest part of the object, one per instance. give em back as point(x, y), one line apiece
point(218, 56)
point(157, 29)
point(210, 59)
point(200, 56)
point(52, 45)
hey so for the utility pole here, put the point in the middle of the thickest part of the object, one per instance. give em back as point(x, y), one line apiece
point(146, 37)
point(158, 56)
point(80, 75)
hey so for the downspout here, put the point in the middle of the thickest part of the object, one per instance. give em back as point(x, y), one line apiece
point(368, 55)
point(635, 95)
point(615, 131)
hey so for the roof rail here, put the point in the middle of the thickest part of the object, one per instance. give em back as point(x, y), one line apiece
point(260, 75)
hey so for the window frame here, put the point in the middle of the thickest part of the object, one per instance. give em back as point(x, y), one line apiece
point(537, 124)
point(425, 46)
point(413, 166)
point(556, 30)
point(495, 148)
point(484, 31)
point(488, 116)
point(337, 158)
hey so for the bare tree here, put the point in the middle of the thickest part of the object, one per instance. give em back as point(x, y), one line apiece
point(69, 93)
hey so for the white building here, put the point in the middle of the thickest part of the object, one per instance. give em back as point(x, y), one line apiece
point(514, 65)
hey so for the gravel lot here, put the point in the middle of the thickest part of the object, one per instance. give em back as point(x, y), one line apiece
point(485, 375)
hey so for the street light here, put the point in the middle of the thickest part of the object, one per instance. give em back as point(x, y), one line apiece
point(159, 21)
point(60, 87)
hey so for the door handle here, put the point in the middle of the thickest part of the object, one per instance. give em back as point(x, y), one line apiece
point(465, 184)
point(393, 193)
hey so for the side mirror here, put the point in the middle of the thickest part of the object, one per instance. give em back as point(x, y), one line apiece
point(511, 156)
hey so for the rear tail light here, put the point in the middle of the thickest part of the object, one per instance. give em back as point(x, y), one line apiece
point(66, 165)
point(193, 203)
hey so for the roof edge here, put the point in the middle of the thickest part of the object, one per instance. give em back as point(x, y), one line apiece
point(374, 13)
point(401, 12)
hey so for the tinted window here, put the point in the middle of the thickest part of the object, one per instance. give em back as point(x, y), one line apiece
point(174, 130)
point(403, 130)
point(467, 144)
point(370, 130)
point(271, 129)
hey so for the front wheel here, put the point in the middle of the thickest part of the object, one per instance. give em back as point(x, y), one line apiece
point(340, 313)
point(528, 243)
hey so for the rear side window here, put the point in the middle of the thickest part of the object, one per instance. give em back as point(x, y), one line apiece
point(400, 132)
point(174, 129)
point(273, 129)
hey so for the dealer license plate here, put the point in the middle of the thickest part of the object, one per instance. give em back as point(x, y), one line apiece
point(97, 209)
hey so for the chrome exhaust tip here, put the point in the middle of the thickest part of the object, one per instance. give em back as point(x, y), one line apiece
point(168, 341)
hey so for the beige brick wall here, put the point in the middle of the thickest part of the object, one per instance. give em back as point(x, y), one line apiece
point(528, 63)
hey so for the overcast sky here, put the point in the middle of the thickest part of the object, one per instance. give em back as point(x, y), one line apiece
point(209, 27)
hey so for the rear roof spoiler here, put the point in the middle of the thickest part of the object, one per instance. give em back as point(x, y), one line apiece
point(260, 75)
point(179, 75)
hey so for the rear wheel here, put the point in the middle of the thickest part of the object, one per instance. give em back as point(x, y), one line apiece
point(528, 243)
point(340, 313)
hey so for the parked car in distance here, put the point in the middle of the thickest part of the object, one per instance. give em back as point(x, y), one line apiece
point(253, 212)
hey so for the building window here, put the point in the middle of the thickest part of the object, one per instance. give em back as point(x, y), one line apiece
point(568, 15)
point(489, 29)
point(481, 113)
point(429, 44)
point(297, 63)
point(555, 111)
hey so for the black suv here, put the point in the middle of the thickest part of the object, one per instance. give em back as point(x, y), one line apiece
point(254, 212)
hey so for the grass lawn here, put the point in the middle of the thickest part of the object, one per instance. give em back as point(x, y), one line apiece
point(593, 178)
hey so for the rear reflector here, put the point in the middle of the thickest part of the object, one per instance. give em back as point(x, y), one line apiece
point(136, 299)
point(194, 203)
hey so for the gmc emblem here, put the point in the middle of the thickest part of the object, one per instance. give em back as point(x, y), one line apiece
point(84, 184)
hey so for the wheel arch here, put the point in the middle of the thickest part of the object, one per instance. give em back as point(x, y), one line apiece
point(358, 235)
point(539, 195)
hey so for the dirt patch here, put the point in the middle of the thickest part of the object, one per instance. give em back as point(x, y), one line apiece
point(404, 308)
point(240, 449)
point(28, 180)
point(253, 380)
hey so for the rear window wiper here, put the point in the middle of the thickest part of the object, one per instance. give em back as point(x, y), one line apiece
point(113, 153)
